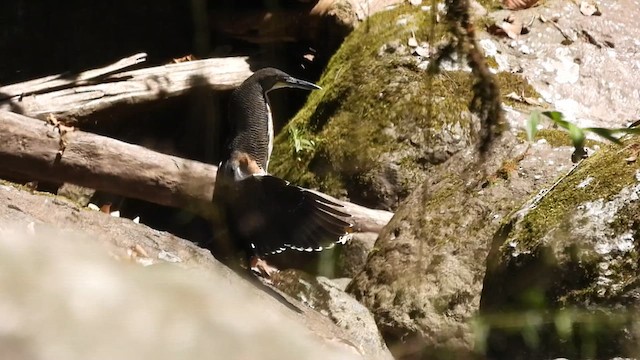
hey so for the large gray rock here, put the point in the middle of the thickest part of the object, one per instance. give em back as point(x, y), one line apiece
point(369, 135)
point(592, 74)
point(423, 279)
point(73, 287)
point(329, 298)
point(564, 269)
point(352, 256)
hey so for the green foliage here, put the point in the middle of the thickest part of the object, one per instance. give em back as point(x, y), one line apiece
point(576, 134)
point(532, 125)
point(299, 143)
point(574, 332)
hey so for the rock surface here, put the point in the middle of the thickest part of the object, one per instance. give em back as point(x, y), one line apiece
point(65, 298)
point(423, 279)
point(352, 256)
point(569, 259)
point(329, 298)
point(585, 66)
point(369, 126)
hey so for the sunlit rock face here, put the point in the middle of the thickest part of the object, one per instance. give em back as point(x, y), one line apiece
point(562, 276)
point(63, 297)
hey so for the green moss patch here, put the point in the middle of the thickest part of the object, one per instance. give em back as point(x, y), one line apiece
point(610, 171)
point(518, 84)
point(374, 98)
point(556, 138)
point(379, 110)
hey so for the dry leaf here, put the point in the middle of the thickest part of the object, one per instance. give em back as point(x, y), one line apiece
point(521, 98)
point(51, 119)
point(512, 30)
point(512, 27)
point(412, 42)
point(422, 51)
point(518, 4)
point(63, 129)
point(185, 58)
point(634, 149)
point(106, 208)
point(588, 9)
point(139, 251)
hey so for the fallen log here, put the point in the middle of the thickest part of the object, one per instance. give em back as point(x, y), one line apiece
point(73, 99)
point(61, 81)
point(37, 149)
point(44, 152)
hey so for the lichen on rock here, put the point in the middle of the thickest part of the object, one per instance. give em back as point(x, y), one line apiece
point(572, 251)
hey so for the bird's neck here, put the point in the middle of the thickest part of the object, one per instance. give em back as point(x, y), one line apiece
point(269, 132)
point(253, 127)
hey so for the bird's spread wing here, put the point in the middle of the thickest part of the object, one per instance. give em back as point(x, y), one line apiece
point(274, 215)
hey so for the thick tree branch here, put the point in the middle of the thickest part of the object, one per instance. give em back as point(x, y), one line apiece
point(36, 149)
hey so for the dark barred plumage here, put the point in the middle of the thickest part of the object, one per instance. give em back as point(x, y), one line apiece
point(258, 212)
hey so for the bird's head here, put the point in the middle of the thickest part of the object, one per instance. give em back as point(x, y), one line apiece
point(272, 79)
point(251, 122)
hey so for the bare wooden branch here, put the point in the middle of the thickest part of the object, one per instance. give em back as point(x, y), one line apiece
point(34, 148)
point(61, 81)
point(365, 219)
point(74, 101)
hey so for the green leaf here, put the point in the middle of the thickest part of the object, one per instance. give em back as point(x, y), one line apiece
point(606, 133)
point(558, 118)
point(577, 136)
point(532, 125)
point(299, 143)
point(481, 333)
point(532, 325)
point(564, 324)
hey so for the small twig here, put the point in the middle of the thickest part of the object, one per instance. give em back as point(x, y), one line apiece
point(555, 24)
point(541, 195)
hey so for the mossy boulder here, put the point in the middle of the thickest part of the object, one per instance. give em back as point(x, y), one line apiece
point(563, 276)
point(380, 120)
point(423, 279)
point(368, 135)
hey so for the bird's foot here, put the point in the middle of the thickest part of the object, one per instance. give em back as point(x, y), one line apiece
point(261, 267)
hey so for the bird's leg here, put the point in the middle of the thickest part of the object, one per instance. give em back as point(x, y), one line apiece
point(261, 267)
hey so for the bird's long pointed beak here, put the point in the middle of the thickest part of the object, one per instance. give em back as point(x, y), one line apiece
point(292, 82)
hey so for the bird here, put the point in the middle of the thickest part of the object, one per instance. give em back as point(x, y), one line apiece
point(258, 213)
